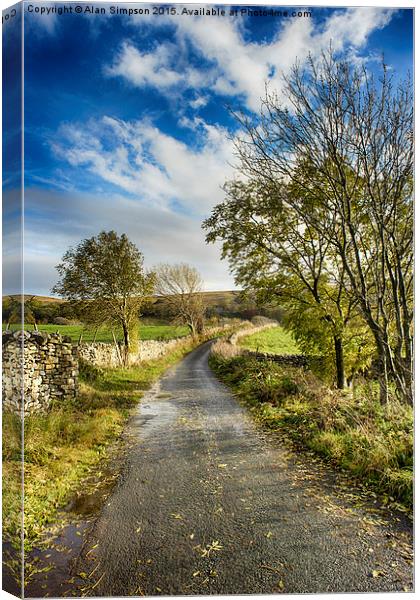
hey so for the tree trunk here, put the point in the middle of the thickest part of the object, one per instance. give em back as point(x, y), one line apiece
point(383, 377)
point(126, 334)
point(200, 325)
point(339, 362)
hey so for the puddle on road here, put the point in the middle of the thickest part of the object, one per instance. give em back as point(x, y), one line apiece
point(154, 415)
point(50, 571)
point(51, 568)
point(11, 571)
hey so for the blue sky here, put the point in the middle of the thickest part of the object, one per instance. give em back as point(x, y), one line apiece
point(127, 123)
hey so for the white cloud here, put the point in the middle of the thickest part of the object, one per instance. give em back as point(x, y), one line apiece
point(354, 25)
point(172, 186)
point(199, 102)
point(151, 68)
point(155, 167)
point(238, 68)
point(165, 68)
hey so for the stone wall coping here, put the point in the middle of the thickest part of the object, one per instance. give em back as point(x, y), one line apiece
point(36, 337)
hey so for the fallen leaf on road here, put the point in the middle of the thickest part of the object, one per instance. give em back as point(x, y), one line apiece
point(269, 535)
point(215, 546)
point(280, 585)
point(222, 466)
point(93, 548)
point(377, 573)
point(176, 515)
point(270, 568)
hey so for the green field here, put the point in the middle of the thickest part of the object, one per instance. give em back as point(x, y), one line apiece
point(104, 334)
point(275, 341)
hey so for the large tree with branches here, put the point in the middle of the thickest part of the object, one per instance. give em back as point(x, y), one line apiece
point(105, 278)
point(341, 144)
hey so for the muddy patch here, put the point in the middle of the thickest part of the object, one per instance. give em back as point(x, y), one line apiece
point(51, 568)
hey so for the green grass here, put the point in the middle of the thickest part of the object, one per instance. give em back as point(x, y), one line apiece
point(275, 341)
point(354, 432)
point(104, 334)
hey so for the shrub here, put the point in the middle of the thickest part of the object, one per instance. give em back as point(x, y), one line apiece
point(64, 321)
point(89, 372)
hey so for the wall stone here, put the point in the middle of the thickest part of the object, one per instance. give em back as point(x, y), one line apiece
point(291, 360)
point(99, 354)
point(38, 369)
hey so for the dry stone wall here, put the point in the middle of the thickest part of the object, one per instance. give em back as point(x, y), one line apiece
point(38, 369)
point(101, 354)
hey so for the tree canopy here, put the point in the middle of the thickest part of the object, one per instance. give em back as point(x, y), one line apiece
point(105, 277)
point(321, 210)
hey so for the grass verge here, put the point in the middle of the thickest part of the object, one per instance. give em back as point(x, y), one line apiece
point(63, 446)
point(353, 431)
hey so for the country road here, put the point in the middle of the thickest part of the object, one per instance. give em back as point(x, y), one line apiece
point(208, 503)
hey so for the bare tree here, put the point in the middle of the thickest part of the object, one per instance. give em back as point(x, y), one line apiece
point(181, 287)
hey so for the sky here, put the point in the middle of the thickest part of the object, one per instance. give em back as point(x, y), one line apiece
point(128, 122)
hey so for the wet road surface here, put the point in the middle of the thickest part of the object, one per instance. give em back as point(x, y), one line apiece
point(207, 503)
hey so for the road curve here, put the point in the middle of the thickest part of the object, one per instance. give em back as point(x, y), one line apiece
point(209, 504)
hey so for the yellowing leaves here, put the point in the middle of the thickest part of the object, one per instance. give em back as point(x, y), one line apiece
point(376, 573)
point(215, 546)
